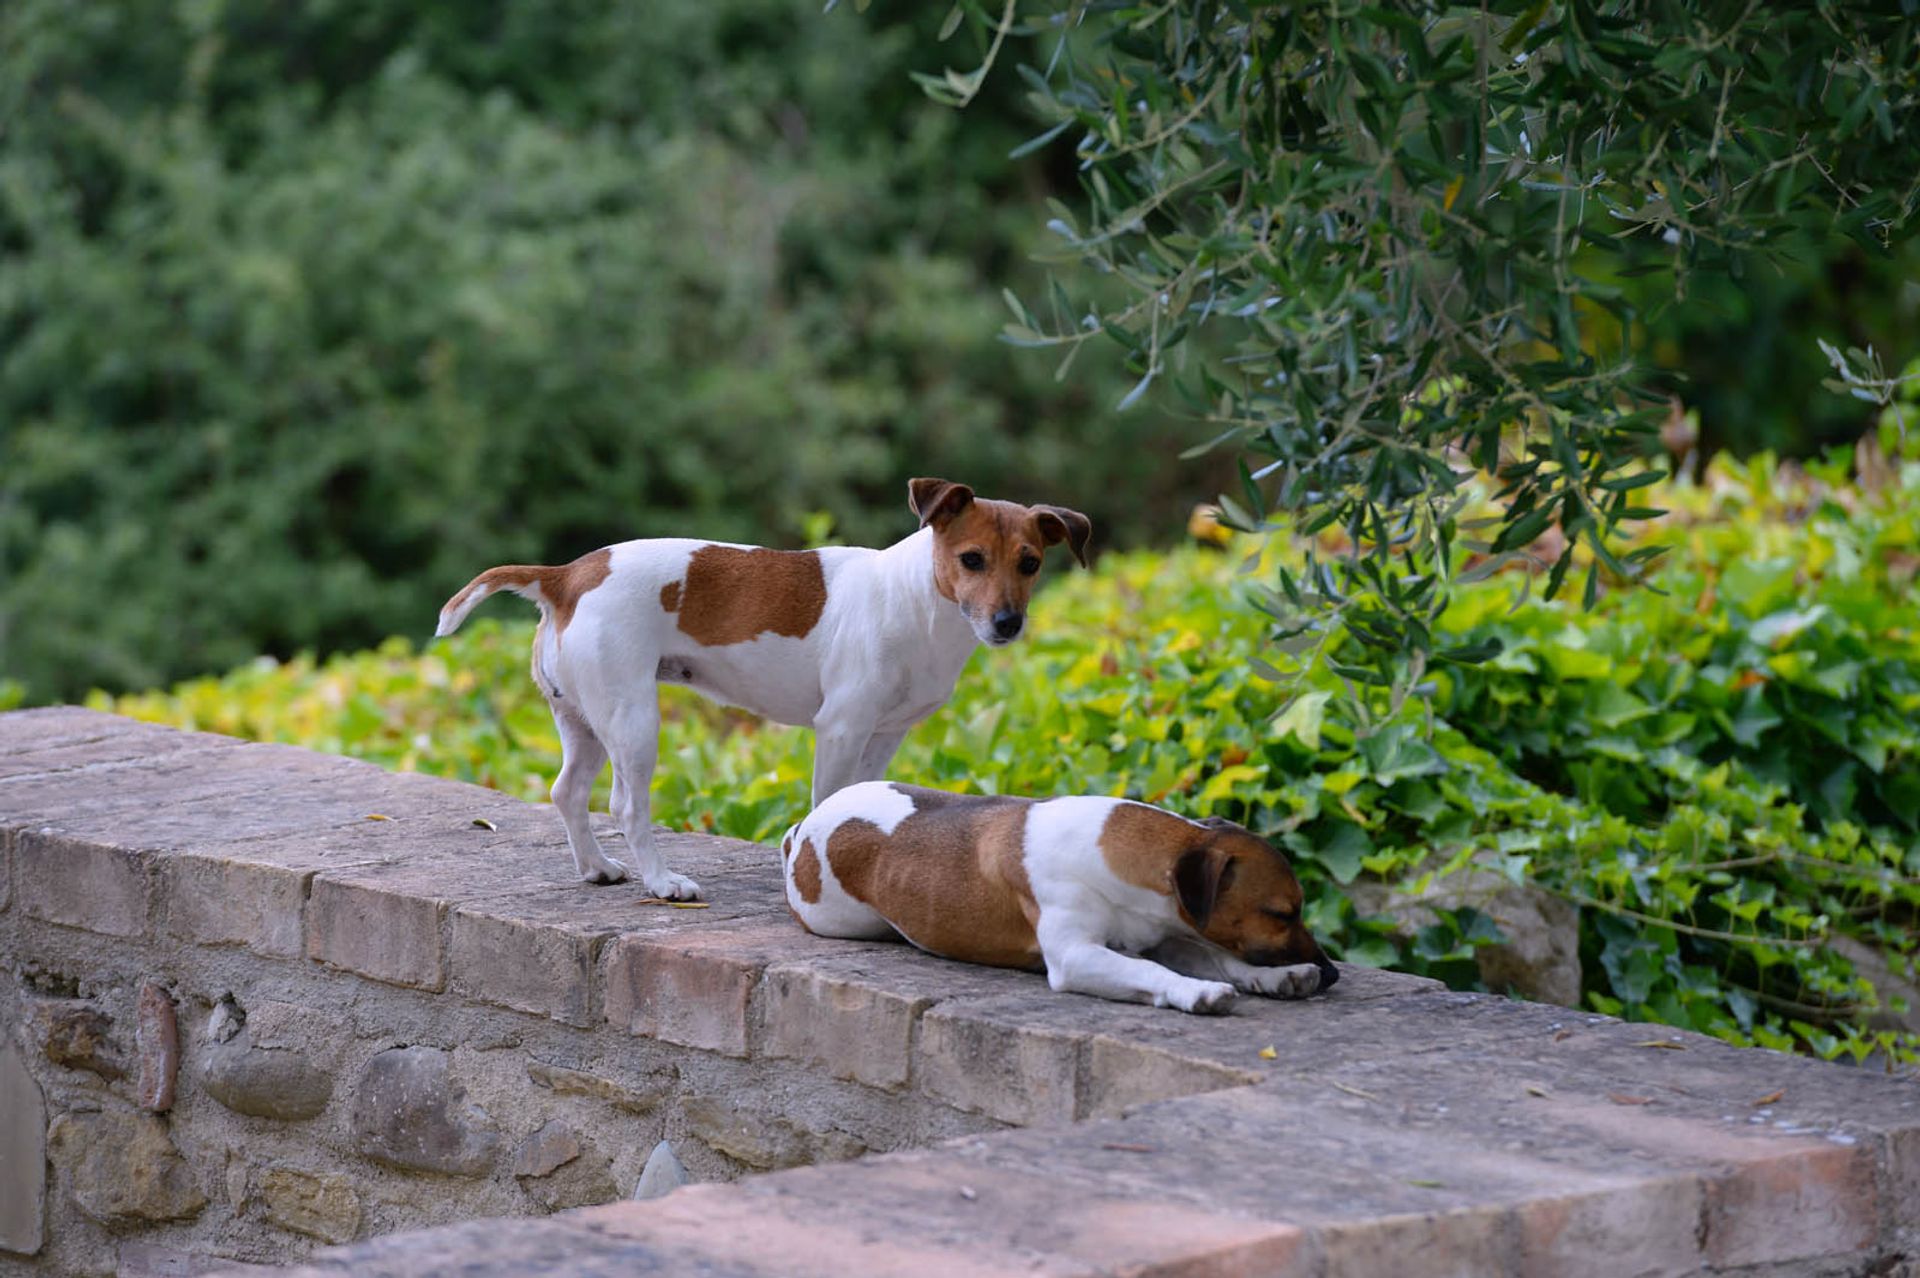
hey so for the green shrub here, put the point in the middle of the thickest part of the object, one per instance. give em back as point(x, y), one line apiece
point(1724, 774)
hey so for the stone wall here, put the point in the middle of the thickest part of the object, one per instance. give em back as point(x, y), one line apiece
point(258, 1001)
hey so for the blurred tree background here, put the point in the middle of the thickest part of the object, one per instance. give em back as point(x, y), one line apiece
point(310, 310)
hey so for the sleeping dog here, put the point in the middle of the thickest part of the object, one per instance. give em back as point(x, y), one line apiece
point(1084, 887)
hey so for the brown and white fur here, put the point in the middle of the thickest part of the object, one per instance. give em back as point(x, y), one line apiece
point(1113, 898)
point(860, 644)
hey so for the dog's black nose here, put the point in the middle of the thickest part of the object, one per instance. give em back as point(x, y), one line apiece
point(1329, 975)
point(1007, 623)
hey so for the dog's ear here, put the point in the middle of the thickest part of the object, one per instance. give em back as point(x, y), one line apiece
point(936, 501)
point(1198, 877)
point(1217, 823)
point(1058, 524)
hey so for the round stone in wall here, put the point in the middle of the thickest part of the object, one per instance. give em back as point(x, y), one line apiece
point(264, 1082)
point(122, 1168)
point(410, 1114)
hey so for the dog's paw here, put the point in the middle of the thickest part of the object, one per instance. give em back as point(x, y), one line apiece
point(607, 871)
point(1295, 981)
point(1201, 997)
point(669, 886)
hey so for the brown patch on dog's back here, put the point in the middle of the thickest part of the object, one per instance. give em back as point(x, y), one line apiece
point(806, 872)
point(1139, 844)
point(733, 595)
point(951, 877)
point(561, 586)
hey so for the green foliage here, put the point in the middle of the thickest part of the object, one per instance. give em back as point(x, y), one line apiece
point(1723, 770)
point(1379, 247)
point(308, 314)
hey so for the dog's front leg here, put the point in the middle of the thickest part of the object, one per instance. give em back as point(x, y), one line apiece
point(1079, 964)
point(1295, 980)
point(879, 752)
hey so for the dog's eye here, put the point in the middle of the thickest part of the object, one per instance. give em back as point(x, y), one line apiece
point(973, 561)
point(1029, 566)
point(1285, 916)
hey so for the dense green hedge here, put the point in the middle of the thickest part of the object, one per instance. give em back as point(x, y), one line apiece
point(307, 314)
point(1724, 770)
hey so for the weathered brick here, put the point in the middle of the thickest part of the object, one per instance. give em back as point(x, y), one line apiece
point(1467, 1243)
point(854, 1029)
point(215, 901)
point(388, 936)
point(692, 990)
point(529, 967)
point(80, 884)
point(1800, 1203)
point(1637, 1227)
point(1014, 1073)
point(1121, 1074)
point(6, 869)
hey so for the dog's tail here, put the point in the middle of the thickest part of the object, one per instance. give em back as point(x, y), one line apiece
point(524, 580)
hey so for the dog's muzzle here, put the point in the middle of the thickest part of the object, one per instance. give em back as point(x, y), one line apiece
point(1006, 624)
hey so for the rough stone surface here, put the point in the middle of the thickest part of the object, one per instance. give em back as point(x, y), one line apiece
point(78, 1035)
point(559, 1169)
point(762, 1140)
point(409, 1113)
point(641, 1098)
point(264, 1082)
point(23, 1156)
point(122, 1167)
point(1007, 1072)
point(157, 1038)
point(540, 1154)
point(1539, 958)
point(544, 970)
point(318, 1204)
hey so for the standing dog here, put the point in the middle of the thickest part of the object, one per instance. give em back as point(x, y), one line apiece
point(861, 644)
point(1081, 886)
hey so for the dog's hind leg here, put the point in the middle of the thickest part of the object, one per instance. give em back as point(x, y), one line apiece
point(581, 758)
point(633, 740)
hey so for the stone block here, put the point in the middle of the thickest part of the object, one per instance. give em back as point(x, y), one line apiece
point(854, 1029)
point(382, 934)
point(6, 869)
point(691, 990)
point(1462, 1243)
point(1802, 1203)
point(215, 901)
point(528, 967)
point(318, 1204)
point(122, 1168)
point(1122, 1074)
point(1648, 1226)
point(23, 1156)
point(409, 1113)
point(1903, 1186)
point(1020, 1074)
point(80, 884)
